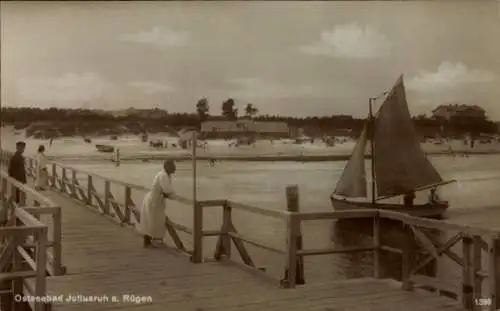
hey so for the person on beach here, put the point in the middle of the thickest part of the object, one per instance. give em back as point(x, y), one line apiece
point(17, 169)
point(211, 162)
point(152, 220)
point(42, 176)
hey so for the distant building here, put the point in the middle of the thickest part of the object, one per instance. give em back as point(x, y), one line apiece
point(456, 111)
point(243, 127)
point(296, 132)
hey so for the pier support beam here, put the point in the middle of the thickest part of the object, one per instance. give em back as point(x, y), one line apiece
point(408, 258)
point(292, 200)
point(494, 272)
point(467, 274)
point(377, 270)
point(197, 256)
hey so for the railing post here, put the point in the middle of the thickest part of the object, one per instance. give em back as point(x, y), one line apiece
point(54, 175)
point(476, 263)
point(128, 205)
point(376, 246)
point(6, 300)
point(73, 184)
point(4, 210)
point(494, 272)
point(293, 206)
point(408, 257)
point(293, 228)
point(197, 256)
point(29, 171)
point(90, 186)
point(33, 165)
point(107, 190)
point(41, 261)
point(17, 265)
point(467, 287)
point(117, 157)
point(227, 222)
point(57, 248)
point(19, 195)
point(64, 179)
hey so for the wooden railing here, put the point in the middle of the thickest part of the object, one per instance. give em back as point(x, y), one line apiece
point(40, 206)
point(475, 241)
point(115, 199)
point(23, 256)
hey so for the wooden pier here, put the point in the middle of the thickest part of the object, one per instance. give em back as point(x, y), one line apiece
point(78, 239)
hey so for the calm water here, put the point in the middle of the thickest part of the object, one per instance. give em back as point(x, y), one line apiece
point(475, 200)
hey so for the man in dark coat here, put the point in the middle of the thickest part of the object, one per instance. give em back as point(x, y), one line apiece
point(17, 169)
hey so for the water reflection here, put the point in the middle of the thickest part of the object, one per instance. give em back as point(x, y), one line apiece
point(263, 184)
point(357, 232)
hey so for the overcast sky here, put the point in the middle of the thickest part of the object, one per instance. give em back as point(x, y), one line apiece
point(288, 58)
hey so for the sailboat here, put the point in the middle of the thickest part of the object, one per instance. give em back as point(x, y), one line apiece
point(398, 164)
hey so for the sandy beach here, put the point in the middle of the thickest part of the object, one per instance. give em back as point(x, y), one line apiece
point(132, 148)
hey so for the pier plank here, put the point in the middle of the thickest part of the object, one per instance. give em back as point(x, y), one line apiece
point(103, 258)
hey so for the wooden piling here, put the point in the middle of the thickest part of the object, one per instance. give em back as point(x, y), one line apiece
point(292, 266)
point(227, 225)
point(476, 264)
point(494, 272)
point(54, 175)
point(107, 197)
point(292, 200)
point(6, 296)
point(40, 260)
point(117, 157)
point(90, 186)
point(197, 256)
point(467, 280)
point(64, 179)
point(377, 273)
point(128, 205)
point(73, 184)
point(17, 265)
point(408, 258)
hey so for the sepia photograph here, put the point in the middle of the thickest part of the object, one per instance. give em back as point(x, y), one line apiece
point(250, 155)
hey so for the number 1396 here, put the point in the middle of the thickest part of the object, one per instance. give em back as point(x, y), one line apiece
point(482, 301)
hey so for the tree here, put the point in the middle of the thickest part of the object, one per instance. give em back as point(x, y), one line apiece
point(202, 108)
point(228, 109)
point(251, 110)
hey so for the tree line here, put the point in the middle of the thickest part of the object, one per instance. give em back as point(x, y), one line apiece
point(228, 109)
point(155, 120)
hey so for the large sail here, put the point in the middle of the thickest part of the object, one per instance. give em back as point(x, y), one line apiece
point(400, 163)
point(352, 182)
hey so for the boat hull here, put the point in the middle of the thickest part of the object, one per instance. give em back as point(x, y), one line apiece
point(105, 148)
point(418, 210)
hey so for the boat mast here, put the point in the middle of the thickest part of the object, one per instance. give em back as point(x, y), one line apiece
point(372, 144)
point(371, 126)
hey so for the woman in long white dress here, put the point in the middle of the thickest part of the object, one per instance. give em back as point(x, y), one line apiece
point(42, 176)
point(152, 219)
